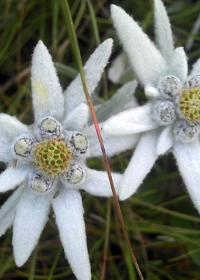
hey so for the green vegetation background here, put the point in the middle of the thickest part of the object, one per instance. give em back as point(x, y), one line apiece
point(162, 223)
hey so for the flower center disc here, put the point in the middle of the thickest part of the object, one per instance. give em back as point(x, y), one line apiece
point(189, 103)
point(52, 157)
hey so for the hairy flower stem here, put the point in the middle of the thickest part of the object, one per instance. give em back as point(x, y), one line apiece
point(74, 42)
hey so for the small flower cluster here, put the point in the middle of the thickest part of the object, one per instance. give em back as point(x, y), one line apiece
point(47, 160)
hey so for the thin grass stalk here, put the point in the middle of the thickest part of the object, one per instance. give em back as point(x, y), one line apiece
point(55, 9)
point(164, 210)
point(105, 253)
point(97, 38)
point(33, 263)
point(80, 66)
point(53, 267)
point(94, 22)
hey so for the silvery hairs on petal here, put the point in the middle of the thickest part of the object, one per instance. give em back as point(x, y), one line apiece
point(45, 85)
point(137, 45)
point(120, 71)
point(93, 69)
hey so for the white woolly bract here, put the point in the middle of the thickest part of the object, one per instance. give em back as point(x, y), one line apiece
point(123, 99)
point(140, 164)
point(12, 177)
point(11, 127)
point(7, 211)
point(151, 92)
point(187, 157)
point(93, 69)
point(196, 68)
point(97, 183)
point(163, 32)
point(114, 144)
point(5, 155)
point(118, 67)
point(131, 121)
point(68, 208)
point(178, 65)
point(77, 118)
point(31, 216)
point(48, 99)
point(147, 62)
point(165, 141)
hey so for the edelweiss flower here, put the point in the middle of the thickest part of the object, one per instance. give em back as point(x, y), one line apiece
point(47, 161)
point(171, 117)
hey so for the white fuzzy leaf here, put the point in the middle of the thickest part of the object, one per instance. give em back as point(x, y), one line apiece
point(77, 118)
point(48, 99)
point(13, 177)
point(11, 127)
point(178, 65)
point(151, 92)
point(117, 67)
point(113, 144)
point(123, 99)
point(7, 211)
point(140, 164)
point(94, 67)
point(68, 210)
point(165, 141)
point(196, 68)
point(163, 32)
point(187, 157)
point(97, 183)
point(131, 121)
point(5, 154)
point(147, 62)
point(30, 219)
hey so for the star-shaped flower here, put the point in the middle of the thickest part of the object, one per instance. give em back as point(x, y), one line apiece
point(47, 161)
point(171, 117)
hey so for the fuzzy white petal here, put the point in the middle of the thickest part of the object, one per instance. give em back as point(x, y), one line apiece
point(140, 164)
point(97, 183)
point(123, 99)
point(11, 127)
point(68, 210)
point(12, 177)
point(163, 32)
point(113, 144)
point(5, 154)
point(196, 68)
point(48, 99)
point(30, 219)
point(94, 67)
point(7, 211)
point(178, 65)
point(147, 62)
point(131, 121)
point(165, 141)
point(118, 68)
point(77, 118)
point(187, 157)
point(151, 92)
